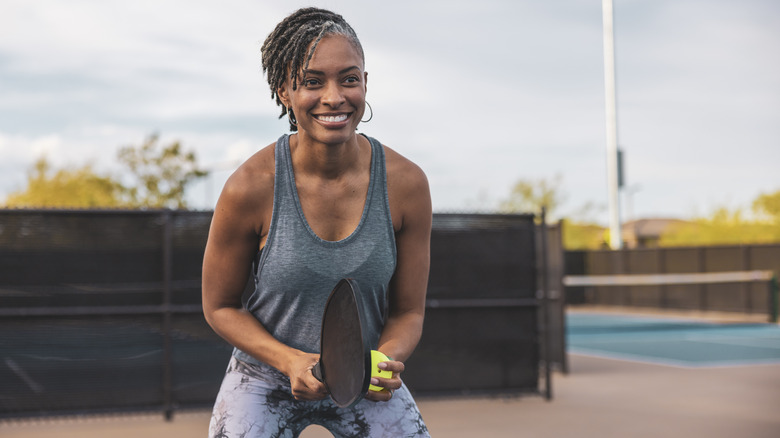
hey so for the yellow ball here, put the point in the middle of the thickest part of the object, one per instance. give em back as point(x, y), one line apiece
point(376, 358)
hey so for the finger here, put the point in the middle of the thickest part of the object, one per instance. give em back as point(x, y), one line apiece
point(395, 366)
point(309, 394)
point(390, 384)
point(379, 396)
point(314, 385)
point(319, 387)
point(309, 388)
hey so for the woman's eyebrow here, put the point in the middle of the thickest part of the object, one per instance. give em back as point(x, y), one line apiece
point(321, 73)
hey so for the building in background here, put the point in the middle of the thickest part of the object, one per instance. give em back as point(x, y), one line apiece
point(646, 233)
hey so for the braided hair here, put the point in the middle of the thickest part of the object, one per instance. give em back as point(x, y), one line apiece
point(285, 49)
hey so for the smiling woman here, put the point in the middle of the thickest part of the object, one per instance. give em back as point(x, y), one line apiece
point(316, 206)
point(289, 49)
point(331, 98)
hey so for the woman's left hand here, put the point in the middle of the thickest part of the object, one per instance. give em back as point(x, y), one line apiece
point(388, 385)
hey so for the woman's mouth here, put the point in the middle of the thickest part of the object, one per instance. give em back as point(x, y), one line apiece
point(334, 118)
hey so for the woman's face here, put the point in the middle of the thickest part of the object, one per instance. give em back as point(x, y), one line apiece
point(331, 96)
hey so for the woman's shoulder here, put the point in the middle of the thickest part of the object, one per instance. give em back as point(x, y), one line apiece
point(253, 182)
point(409, 194)
point(403, 171)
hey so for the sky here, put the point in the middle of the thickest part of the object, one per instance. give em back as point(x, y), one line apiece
point(480, 94)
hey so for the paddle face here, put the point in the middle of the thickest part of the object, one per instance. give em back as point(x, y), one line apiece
point(345, 356)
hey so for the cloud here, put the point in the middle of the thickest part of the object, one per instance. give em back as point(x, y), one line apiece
point(479, 94)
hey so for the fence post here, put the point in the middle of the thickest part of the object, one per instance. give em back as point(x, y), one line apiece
point(662, 291)
point(701, 255)
point(560, 305)
point(545, 322)
point(618, 267)
point(746, 288)
point(167, 243)
point(773, 291)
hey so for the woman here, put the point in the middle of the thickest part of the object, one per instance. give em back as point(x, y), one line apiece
point(318, 205)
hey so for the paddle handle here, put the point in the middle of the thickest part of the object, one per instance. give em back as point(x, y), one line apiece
point(317, 371)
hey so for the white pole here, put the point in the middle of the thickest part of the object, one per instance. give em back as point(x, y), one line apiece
point(615, 240)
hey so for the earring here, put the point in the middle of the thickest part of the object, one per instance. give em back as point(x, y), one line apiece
point(372, 114)
point(291, 117)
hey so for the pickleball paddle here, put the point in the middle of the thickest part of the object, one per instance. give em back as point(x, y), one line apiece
point(345, 364)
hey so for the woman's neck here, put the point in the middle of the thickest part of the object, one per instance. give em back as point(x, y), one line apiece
point(329, 161)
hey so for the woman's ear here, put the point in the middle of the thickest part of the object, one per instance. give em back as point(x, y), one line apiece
point(284, 97)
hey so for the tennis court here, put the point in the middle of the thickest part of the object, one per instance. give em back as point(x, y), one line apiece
point(631, 375)
point(681, 342)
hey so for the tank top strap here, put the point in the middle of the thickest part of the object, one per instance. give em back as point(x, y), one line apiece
point(379, 199)
point(284, 180)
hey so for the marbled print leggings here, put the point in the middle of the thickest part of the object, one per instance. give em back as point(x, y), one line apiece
point(255, 401)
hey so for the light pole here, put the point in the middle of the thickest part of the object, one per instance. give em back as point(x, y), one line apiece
point(615, 240)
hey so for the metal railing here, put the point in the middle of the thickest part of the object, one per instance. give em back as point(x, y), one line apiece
point(696, 278)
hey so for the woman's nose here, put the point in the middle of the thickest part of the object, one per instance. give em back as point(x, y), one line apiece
point(332, 95)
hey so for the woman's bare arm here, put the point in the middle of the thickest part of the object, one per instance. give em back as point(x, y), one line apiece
point(237, 228)
point(410, 202)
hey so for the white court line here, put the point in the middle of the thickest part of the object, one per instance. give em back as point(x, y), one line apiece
point(35, 386)
point(663, 279)
point(606, 340)
point(628, 357)
point(736, 341)
point(650, 360)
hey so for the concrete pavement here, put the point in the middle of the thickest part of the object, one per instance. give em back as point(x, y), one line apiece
point(599, 398)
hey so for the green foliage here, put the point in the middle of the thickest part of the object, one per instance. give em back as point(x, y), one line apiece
point(723, 227)
point(581, 236)
point(67, 188)
point(529, 196)
point(159, 180)
point(767, 207)
point(160, 176)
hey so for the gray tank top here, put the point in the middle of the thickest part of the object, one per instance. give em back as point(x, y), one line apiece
point(296, 270)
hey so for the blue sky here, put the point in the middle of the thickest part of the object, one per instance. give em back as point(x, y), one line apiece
point(479, 94)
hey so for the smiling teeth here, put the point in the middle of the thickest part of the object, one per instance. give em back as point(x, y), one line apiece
point(339, 118)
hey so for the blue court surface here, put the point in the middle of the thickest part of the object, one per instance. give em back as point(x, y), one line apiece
point(672, 341)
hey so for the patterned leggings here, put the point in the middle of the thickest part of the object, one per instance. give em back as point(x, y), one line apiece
point(255, 401)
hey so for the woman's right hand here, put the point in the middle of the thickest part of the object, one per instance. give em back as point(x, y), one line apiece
point(303, 384)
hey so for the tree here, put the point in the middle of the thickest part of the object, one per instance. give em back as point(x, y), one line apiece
point(158, 179)
point(67, 188)
point(767, 205)
point(160, 176)
point(723, 227)
point(529, 196)
point(582, 236)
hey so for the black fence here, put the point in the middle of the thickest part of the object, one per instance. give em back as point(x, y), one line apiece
point(100, 312)
point(552, 313)
point(481, 326)
point(749, 297)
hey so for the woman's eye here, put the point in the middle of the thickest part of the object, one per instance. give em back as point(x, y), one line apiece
point(310, 82)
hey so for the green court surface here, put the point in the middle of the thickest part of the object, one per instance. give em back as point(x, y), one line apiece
point(672, 341)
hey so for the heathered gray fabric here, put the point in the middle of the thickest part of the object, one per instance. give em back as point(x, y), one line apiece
point(296, 270)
